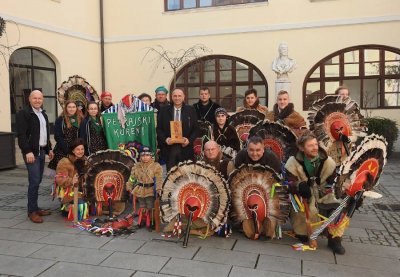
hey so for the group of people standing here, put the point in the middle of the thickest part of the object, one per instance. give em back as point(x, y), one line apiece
point(79, 133)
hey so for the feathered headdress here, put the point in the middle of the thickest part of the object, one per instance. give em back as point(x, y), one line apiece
point(334, 115)
point(259, 201)
point(195, 186)
point(357, 176)
point(368, 159)
point(76, 89)
point(278, 137)
point(243, 121)
point(108, 171)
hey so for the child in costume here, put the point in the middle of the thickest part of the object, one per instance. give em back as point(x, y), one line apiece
point(145, 175)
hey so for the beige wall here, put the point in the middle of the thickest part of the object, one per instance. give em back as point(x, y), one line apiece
point(72, 54)
point(75, 16)
point(127, 73)
point(127, 18)
point(69, 32)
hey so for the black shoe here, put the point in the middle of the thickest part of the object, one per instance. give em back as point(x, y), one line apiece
point(336, 245)
point(302, 238)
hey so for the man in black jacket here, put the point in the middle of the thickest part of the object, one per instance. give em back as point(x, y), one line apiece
point(255, 153)
point(34, 141)
point(160, 100)
point(205, 108)
point(173, 153)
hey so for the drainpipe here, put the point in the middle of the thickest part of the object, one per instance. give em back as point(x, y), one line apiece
point(103, 78)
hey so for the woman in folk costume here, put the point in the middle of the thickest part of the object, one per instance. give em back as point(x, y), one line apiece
point(284, 113)
point(145, 175)
point(106, 101)
point(311, 174)
point(66, 130)
point(223, 133)
point(91, 130)
point(251, 102)
point(69, 173)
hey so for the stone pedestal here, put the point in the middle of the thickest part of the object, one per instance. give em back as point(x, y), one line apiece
point(282, 85)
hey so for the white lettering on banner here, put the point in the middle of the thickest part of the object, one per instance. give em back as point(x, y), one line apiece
point(135, 131)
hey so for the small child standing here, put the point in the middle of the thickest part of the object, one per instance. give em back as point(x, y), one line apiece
point(145, 175)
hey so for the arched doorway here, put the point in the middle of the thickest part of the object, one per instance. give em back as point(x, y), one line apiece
point(227, 77)
point(32, 69)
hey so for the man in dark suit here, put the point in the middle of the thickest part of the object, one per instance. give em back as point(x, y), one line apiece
point(171, 152)
point(34, 141)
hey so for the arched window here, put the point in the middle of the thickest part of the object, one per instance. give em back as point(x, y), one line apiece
point(227, 78)
point(371, 72)
point(32, 69)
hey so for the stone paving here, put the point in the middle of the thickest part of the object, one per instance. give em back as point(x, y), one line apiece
point(54, 248)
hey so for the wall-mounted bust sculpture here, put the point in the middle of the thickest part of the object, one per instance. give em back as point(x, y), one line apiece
point(283, 65)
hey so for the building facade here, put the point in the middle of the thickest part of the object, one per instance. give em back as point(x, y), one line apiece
point(333, 42)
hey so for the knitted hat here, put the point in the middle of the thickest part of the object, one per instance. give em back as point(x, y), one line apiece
point(145, 151)
point(161, 89)
point(105, 94)
point(221, 110)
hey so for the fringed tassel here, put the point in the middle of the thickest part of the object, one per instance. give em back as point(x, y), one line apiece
point(177, 231)
point(86, 215)
point(70, 214)
point(99, 209)
point(140, 213)
point(278, 231)
point(80, 212)
point(294, 203)
point(148, 214)
point(93, 210)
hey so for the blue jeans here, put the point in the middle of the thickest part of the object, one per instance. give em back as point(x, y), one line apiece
point(35, 174)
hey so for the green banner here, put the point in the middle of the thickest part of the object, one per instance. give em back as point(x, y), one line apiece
point(140, 128)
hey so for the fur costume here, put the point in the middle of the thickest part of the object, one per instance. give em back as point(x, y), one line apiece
point(289, 117)
point(145, 173)
point(322, 195)
point(66, 169)
point(257, 106)
point(65, 172)
point(144, 176)
point(226, 136)
point(220, 164)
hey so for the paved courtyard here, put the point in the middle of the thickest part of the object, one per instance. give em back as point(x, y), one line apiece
point(54, 248)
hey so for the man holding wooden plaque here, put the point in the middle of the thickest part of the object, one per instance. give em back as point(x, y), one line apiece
point(176, 130)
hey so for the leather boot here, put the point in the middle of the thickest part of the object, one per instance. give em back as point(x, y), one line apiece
point(336, 245)
point(42, 212)
point(35, 217)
